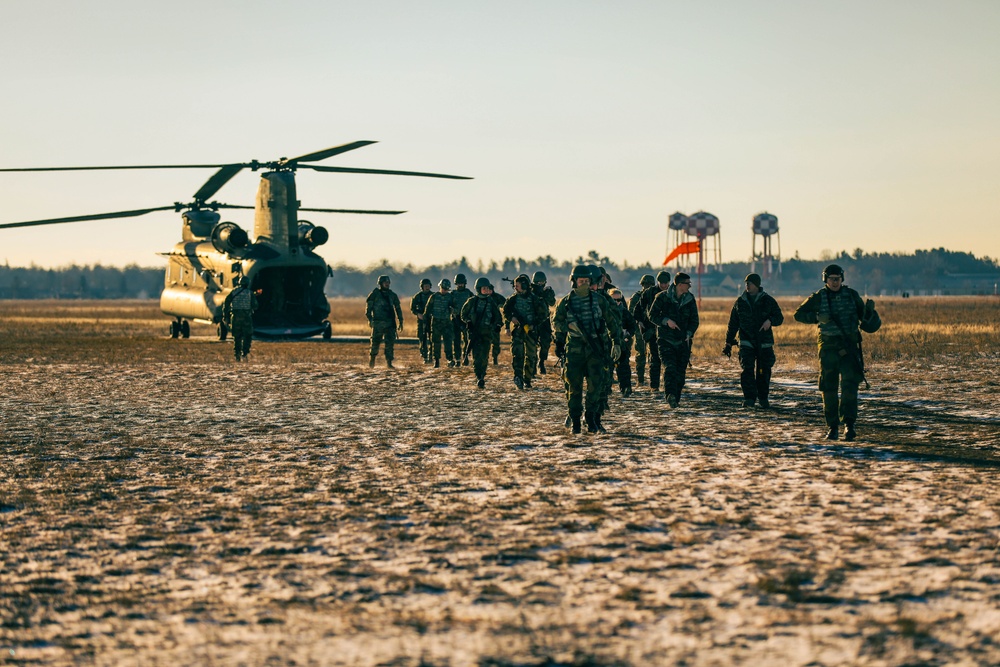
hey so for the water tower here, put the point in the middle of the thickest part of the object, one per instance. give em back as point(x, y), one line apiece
point(708, 231)
point(765, 225)
point(676, 229)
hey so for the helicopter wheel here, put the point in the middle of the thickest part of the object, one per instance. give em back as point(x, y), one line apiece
point(327, 330)
point(175, 329)
point(223, 331)
point(185, 329)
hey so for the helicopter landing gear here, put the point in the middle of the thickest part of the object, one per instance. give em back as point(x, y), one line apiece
point(223, 331)
point(180, 328)
point(327, 330)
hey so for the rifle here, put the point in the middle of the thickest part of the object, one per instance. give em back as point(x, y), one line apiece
point(473, 335)
point(859, 357)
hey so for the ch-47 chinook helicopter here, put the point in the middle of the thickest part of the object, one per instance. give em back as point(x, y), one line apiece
point(279, 261)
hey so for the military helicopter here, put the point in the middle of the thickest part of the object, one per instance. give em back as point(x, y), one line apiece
point(213, 255)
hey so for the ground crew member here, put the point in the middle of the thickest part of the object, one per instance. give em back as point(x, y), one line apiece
point(640, 319)
point(237, 313)
point(650, 328)
point(417, 304)
point(585, 337)
point(440, 309)
point(385, 317)
point(623, 367)
point(840, 312)
point(675, 314)
point(548, 297)
point(525, 312)
point(499, 300)
point(753, 317)
point(482, 317)
point(461, 334)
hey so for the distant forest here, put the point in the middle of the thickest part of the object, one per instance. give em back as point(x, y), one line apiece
point(925, 272)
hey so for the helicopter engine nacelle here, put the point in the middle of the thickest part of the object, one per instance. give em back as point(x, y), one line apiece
point(311, 236)
point(228, 237)
point(198, 223)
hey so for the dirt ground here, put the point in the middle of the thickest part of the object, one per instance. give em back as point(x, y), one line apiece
point(163, 505)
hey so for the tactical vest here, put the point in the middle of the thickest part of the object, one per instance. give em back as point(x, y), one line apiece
point(242, 300)
point(482, 313)
point(439, 304)
point(524, 309)
point(586, 313)
point(844, 310)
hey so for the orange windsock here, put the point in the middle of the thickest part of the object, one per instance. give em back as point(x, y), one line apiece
point(688, 248)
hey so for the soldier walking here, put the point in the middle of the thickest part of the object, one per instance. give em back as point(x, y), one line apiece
point(237, 313)
point(640, 321)
point(385, 318)
point(548, 297)
point(675, 314)
point(524, 312)
point(753, 317)
point(482, 317)
point(650, 329)
point(499, 300)
point(840, 313)
point(623, 368)
point(440, 309)
point(461, 334)
point(417, 305)
point(585, 332)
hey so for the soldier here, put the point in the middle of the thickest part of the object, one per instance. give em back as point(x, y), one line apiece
point(237, 313)
point(584, 333)
point(499, 300)
point(417, 305)
point(640, 321)
point(650, 329)
point(461, 334)
point(840, 312)
point(482, 317)
point(675, 314)
point(753, 316)
point(439, 311)
point(622, 367)
point(548, 296)
point(600, 282)
point(385, 318)
point(525, 312)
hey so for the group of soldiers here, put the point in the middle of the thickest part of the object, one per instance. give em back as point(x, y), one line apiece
point(594, 331)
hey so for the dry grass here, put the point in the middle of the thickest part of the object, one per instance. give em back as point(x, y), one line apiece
point(160, 504)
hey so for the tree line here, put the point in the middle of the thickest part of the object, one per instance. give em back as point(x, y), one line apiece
point(937, 271)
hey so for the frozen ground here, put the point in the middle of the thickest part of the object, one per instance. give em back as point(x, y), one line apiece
point(156, 513)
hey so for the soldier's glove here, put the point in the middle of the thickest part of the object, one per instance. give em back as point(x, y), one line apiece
point(728, 351)
point(560, 349)
point(616, 352)
point(400, 327)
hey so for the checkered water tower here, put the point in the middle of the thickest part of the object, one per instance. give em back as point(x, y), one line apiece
point(676, 230)
point(706, 228)
point(765, 225)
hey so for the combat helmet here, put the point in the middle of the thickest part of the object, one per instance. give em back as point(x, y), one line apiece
point(445, 283)
point(663, 277)
point(460, 279)
point(524, 281)
point(833, 270)
point(425, 281)
point(538, 277)
point(595, 275)
point(579, 271)
point(383, 279)
point(481, 283)
point(647, 281)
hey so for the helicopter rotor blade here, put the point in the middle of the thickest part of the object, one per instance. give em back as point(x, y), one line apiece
point(134, 166)
point(392, 172)
point(215, 183)
point(82, 218)
point(350, 210)
point(326, 152)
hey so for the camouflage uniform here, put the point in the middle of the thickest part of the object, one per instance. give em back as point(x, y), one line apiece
point(839, 315)
point(640, 340)
point(499, 300)
point(385, 317)
point(756, 346)
point(482, 317)
point(548, 297)
point(623, 367)
point(417, 304)
point(531, 313)
point(584, 331)
point(649, 334)
point(674, 345)
point(439, 309)
point(460, 295)
point(237, 313)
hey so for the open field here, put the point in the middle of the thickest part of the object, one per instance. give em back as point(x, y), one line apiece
point(163, 505)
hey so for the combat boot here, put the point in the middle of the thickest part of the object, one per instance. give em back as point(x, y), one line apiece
point(747, 403)
point(764, 403)
point(832, 433)
point(371, 361)
point(465, 362)
point(437, 363)
point(569, 420)
point(591, 423)
point(496, 361)
point(519, 382)
point(850, 433)
point(541, 367)
point(388, 363)
point(527, 383)
point(598, 424)
point(481, 383)
point(576, 423)
point(671, 401)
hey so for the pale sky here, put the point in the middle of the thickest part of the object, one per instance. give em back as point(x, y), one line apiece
point(872, 124)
